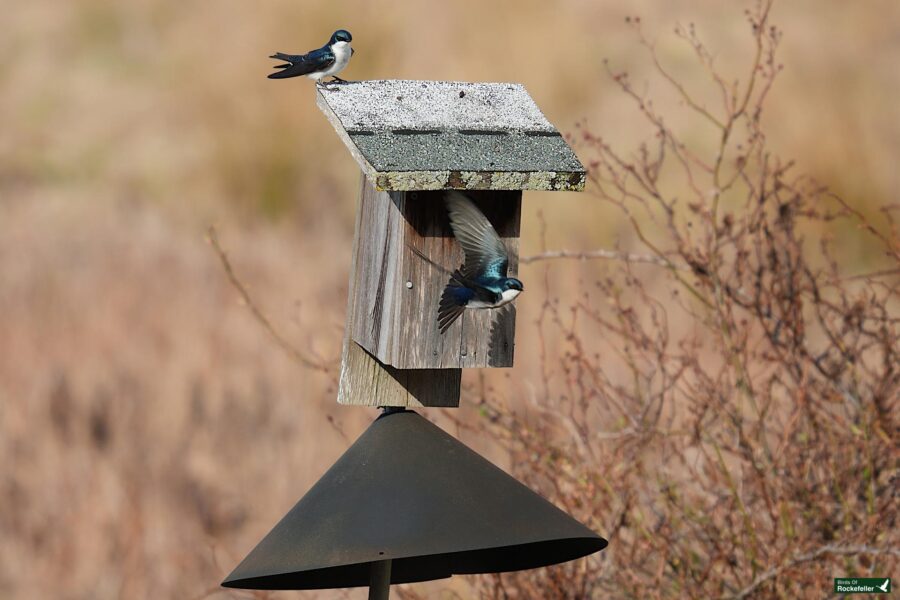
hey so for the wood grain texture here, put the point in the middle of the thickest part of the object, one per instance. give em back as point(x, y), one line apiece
point(395, 293)
point(367, 382)
point(364, 380)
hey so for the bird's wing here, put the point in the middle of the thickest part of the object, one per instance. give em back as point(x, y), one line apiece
point(486, 255)
point(303, 64)
point(453, 301)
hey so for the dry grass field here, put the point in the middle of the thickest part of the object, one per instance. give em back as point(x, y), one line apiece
point(151, 431)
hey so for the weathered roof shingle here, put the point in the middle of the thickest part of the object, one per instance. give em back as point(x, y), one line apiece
point(426, 135)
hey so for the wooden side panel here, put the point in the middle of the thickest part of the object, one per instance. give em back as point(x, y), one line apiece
point(373, 276)
point(367, 382)
point(480, 338)
point(364, 380)
point(395, 292)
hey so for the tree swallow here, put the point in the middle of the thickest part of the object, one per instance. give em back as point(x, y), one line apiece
point(330, 59)
point(481, 281)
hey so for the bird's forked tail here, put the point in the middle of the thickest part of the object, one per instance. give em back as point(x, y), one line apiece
point(453, 301)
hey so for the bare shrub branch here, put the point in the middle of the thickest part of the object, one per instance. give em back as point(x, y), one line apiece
point(287, 347)
point(810, 557)
point(593, 254)
point(728, 422)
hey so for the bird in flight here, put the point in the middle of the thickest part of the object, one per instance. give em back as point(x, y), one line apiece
point(329, 60)
point(481, 282)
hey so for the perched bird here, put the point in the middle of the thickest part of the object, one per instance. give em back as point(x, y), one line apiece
point(330, 59)
point(481, 281)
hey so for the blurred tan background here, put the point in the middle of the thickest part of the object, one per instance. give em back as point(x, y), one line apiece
point(150, 431)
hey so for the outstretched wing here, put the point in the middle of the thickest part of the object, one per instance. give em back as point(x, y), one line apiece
point(486, 255)
point(302, 64)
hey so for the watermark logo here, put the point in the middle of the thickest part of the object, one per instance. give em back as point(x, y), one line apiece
point(862, 585)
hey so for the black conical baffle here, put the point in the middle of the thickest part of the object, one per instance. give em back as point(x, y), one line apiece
point(409, 492)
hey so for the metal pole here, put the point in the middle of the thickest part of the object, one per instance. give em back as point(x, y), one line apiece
point(380, 580)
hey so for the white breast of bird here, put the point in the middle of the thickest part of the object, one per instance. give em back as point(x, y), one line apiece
point(341, 57)
point(506, 297)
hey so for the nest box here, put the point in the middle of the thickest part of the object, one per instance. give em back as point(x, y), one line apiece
point(413, 139)
point(407, 502)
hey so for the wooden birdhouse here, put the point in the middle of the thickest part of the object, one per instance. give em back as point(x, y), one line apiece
point(412, 140)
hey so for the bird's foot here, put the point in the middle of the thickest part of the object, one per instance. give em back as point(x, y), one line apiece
point(331, 82)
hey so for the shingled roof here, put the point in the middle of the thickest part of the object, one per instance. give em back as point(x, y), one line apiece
point(432, 135)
